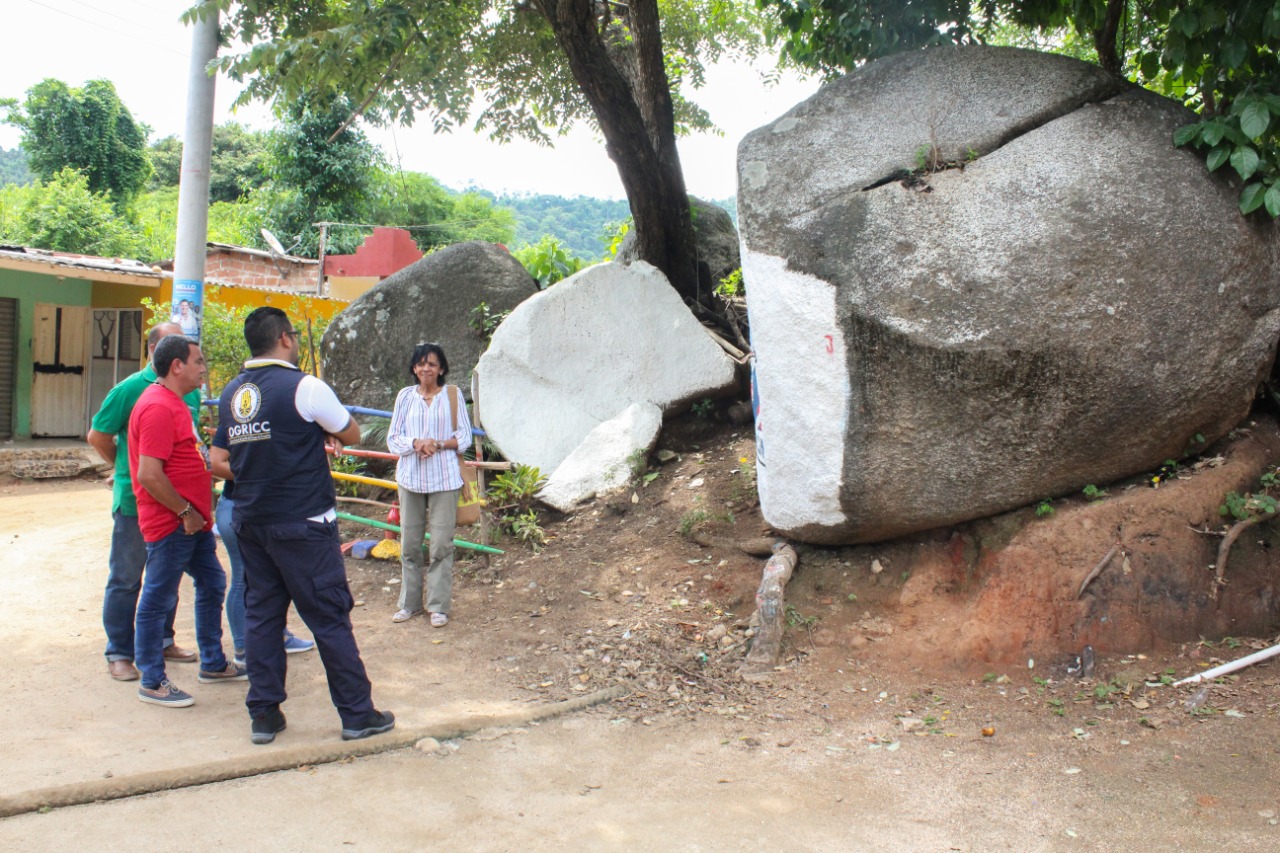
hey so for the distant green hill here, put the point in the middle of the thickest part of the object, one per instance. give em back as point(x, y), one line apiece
point(13, 167)
point(578, 223)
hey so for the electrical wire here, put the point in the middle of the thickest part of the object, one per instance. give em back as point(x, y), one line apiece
point(102, 11)
point(100, 26)
point(405, 227)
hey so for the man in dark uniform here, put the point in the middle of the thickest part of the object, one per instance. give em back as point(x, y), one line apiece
point(273, 420)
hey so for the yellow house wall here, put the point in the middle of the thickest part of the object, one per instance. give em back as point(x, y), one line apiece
point(298, 304)
point(111, 295)
point(351, 288)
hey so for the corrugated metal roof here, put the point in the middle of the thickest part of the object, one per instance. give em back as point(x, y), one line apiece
point(308, 289)
point(70, 259)
point(293, 259)
point(107, 268)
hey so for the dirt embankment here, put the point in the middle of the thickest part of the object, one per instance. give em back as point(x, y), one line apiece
point(999, 590)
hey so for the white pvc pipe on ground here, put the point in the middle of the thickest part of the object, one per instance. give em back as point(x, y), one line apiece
point(1226, 668)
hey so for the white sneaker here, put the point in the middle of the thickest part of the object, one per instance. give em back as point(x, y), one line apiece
point(405, 615)
point(439, 620)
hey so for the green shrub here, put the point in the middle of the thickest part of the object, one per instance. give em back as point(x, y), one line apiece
point(548, 262)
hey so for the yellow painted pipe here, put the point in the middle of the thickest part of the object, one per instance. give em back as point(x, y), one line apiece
point(368, 481)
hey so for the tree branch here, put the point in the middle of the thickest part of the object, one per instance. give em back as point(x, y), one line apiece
point(391, 69)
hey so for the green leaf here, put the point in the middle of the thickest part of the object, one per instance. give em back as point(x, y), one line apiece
point(1217, 157)
point(1150, 65)
point(1235, 135)
point(1213, 133)
point(1272, 201)
point(1255, 119)
point(1233, 52)
point(1186, 22)
point(1175, 51)
point(1187, 134)
point(1252, 197)
point(1245, 161)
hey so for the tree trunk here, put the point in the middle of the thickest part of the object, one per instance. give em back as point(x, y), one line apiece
point(1104, 39)
point(634, 110)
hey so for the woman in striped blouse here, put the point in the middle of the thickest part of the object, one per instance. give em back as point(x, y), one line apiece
point(423, 434)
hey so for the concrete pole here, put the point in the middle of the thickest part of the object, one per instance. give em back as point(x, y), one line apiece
point(324, 232)
point(193, 187)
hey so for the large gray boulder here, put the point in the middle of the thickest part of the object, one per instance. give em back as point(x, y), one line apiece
point(1077, 303)
point(366, 348)
point(581, 352)
point(715, 234)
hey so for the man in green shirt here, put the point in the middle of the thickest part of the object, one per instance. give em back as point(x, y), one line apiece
point(109, 436)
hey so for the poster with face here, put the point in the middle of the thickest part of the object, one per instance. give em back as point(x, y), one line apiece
point(187, 303)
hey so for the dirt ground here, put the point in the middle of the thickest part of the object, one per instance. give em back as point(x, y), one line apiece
point(869, 736)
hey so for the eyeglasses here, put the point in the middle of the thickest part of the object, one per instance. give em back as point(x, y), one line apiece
point(293, 333)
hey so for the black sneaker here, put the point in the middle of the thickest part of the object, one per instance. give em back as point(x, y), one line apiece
point(264, 727)
point(375, 723)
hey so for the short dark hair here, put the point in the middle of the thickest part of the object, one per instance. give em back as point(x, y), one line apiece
point(420, 353)
point(263, 327)
point(171, 348)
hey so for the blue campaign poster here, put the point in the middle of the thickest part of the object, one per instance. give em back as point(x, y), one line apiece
point(188, 298)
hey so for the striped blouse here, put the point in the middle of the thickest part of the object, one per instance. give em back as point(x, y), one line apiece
point(414, 418)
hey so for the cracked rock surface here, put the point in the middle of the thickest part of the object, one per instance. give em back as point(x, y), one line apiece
point(1058, 297)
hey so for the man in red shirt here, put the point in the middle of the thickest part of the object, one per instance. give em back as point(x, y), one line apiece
point(175, 512)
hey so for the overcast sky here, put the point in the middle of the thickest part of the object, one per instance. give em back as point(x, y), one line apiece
point(143, 48)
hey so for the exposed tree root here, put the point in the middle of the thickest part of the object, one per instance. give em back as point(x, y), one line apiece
point(1097, 570)
point(1224, 549)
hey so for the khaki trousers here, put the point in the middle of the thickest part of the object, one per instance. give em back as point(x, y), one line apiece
point(439, 511)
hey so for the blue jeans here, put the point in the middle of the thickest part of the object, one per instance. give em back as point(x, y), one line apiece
point(125, 563)
point(235, 592)
point(167, 560)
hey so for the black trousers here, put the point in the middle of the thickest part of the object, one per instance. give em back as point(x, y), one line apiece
point(300, 561)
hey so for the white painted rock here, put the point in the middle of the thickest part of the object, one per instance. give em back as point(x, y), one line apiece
point(579, 353)
point(601, 463)
point(1073, 301)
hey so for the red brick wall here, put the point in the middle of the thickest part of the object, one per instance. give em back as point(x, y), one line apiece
point(245, 269)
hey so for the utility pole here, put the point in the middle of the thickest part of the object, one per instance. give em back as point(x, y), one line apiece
point(193, 186)
point(324, 232)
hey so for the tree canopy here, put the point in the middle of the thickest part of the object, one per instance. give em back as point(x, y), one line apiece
point(1220, 57)
point(321, 167)
point(87, 129)
point(320, 171)
point(529, 69)
point(64, 215)
point(13, 167)
point(237, 161)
